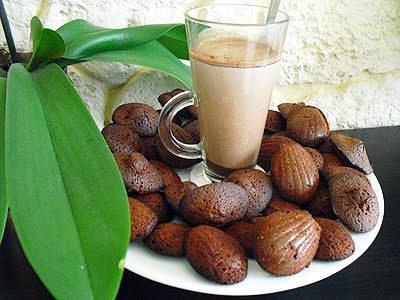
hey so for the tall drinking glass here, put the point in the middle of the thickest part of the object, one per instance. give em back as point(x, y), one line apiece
point(235, 58)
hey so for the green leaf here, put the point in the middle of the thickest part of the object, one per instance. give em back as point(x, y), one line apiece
point(47, 44)
point(83, 38)
point(175, 41)
point(3, 198)
point(151, 55)
point(67, 199)
point(3, 74)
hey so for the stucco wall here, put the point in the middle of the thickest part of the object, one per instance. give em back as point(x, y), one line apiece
point(340, 55)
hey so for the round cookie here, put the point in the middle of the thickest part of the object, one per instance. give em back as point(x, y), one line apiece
point(352, 151)
point(167, 239)
point(158, 204)
point(140, 117)
point(286, 242)
point(335, 243)
point(354, 201)
point(143, 219)
point(294, 173)
point(174, 193)
point(258, 186)
point(215, 255)
point(216, 204)
point(169, 175)
point(120, 138)
point(308, 126)
point(138, 174)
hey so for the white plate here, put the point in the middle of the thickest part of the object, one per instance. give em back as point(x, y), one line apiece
point(177, 272)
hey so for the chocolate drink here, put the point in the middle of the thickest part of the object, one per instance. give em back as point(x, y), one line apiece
point(233, 80)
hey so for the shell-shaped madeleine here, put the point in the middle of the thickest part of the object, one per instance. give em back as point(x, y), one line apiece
point(294, 173)
point(286, 242)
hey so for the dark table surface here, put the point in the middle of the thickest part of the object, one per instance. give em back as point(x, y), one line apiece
point(376, 274)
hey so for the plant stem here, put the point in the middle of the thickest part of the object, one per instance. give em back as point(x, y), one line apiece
point(7, 32)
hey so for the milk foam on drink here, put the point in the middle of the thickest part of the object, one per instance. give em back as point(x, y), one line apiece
point(233, 79)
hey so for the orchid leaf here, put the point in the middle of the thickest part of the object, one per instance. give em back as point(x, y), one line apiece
point(175, 41)
point(83, 38)
point(67, 199)
point(3, 198)
point(151, 55)
point(47, 44)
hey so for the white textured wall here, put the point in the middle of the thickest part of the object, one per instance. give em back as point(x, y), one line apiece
point(340, 55)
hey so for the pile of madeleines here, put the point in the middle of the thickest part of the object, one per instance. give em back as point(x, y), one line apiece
point(283, 218)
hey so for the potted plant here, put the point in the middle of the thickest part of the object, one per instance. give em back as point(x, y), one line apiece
point(59, 182)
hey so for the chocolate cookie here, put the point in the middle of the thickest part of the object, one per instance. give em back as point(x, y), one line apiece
point(167, 239)
point(294, 173)
point(317, 157)
point(169, 175)
point(120, 138)
point(335, 243)
point(330, 160)
point(332, 171)
point(140, 117)
point(243, 231)
point(165, 97)
point(170, 158)
point(215, 204)
point(158, 204)
point(187, 112)
point(174, 193)
point(215, 255)
point(287, 108)
point(275, 122)
point(308, 126)
point(352, 151)
point(148, 149)
point(138, 174)
point(193, 128)
point(279, 204)
point(286, 242)
point(321, 205)
point(258, 186)
point(143, 219)
point(269, 145)
point(354, 201)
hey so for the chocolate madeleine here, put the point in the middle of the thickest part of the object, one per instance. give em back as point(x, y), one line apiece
point(120, 138)
point(352, 151)
point(168, 239)
point(140, 117)
point(354, 201)
point(258, 186)
point(138, 174)
point(286, 242)
point(215, 255)
point(335, 243)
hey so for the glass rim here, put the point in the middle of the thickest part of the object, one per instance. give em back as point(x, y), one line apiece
point(202, 21)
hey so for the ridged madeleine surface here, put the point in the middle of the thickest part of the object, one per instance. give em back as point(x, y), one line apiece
point(294, 173)
point(286, 242)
